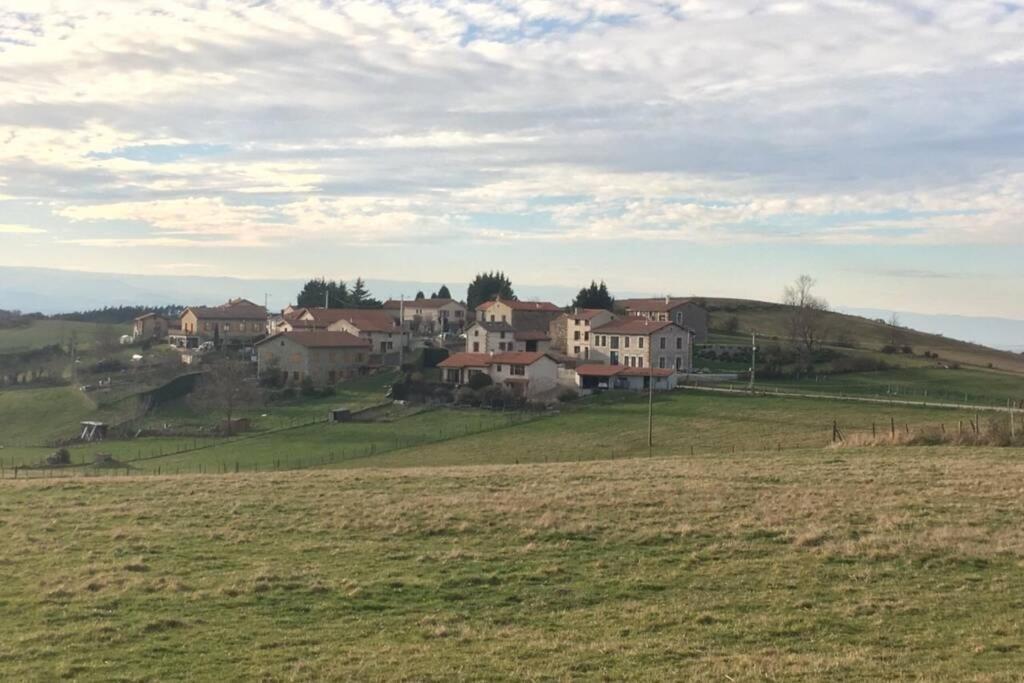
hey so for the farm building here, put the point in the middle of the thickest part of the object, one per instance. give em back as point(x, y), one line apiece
point(323, 356)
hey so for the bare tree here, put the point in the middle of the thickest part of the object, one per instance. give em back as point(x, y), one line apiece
point(807, 319)
point(896, 336)
point(227, 388)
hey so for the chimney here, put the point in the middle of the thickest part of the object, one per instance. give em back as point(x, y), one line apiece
point(668, 299)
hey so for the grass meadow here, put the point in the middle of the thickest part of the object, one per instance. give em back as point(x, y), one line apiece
point(42, 333)
point(606, 427)
point(802, 565)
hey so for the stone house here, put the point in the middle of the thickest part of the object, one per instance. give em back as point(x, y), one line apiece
point(570, 332)
point(640, 343)
point(684, 312)
point(323, 356)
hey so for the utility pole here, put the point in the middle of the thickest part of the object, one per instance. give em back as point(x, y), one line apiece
point(753, 359)
point(401, 331)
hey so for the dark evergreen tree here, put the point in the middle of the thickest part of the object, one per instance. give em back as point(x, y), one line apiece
point(487, 286)
point(594, 296)
point(421, 295)
point(442, 293)
point(320, 291)
point(360, 296)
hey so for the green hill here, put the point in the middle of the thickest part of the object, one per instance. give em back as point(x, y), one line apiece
point(733, 320)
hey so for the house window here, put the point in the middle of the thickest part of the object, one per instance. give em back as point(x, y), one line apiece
point(679, 363)
point(576, 335)
point(499, 368)
point(627, 341)
point(615, 342)
point(519, 370)
point(503, 319)
point(661, 361)
point(640, 342)
point(476, 347)
point(586, 336)
point(502, 335)
point(640, 361)
point(662, 342)
point(453, 376)
point(679, 342)
point(576, 350)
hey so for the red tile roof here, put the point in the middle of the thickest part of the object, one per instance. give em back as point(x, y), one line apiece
point(598, 370)
point(466, 360)
point(532, 335)
point(321, 339)
point(236, 309)
point(366, 319)
point(647, 372)
point(517, 305)
point(639, 326)
point(517, 357)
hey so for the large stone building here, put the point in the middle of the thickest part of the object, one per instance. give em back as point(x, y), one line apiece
point(323, 356)
point(149, 326)
point(640, 343)
point(237, 321)
point(683, 312)
point(379, 327)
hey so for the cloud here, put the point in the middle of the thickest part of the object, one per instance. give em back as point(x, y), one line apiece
point(9, 229)
point(273, 123)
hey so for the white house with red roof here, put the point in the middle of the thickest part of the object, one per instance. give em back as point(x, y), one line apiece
point(530, 374)
point(683, 312)
point(429, 315)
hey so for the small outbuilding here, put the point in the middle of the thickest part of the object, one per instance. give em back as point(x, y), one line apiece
point(93, 431)
point(341, 414)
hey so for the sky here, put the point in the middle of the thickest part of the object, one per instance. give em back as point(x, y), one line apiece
point(690, 147)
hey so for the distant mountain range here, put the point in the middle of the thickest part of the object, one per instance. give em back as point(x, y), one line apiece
point(49, 290)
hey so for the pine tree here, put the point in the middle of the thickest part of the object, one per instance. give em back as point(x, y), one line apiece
point(594, 296)
point(487, 286)
point(442, 293)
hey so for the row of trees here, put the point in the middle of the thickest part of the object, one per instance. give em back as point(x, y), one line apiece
point(320, 292)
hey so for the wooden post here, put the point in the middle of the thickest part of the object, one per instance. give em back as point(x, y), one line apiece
point(874, 432)
point(892, 427)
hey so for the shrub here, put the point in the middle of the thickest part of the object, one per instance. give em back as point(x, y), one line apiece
point(568, 395)
point(467, 396)
point(109, 365)
point(909, 350)
point(307, 386)
point(479, 381)
point(889, 348)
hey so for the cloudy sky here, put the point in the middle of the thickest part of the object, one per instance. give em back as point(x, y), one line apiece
point(692, 147)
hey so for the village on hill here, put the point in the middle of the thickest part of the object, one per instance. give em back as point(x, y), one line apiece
point(534, 349)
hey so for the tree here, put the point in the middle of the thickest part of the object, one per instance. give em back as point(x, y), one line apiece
point(360, 297)
point(442, 293)
point(421, 295)
point(320, 291)
point(806, 319)
point(594, 296)
point(487, 286)
point(226, 388)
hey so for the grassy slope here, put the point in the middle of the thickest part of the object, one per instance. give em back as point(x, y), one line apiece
point(614, 426)
point(46, 332)
point(857, 566)
point(33, 416)
point(771, 320)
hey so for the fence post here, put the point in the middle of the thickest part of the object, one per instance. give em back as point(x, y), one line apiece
point(892, 428)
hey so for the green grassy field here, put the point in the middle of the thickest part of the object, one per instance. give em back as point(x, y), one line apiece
point(983, 387)
point(46, 332)
point(33, 416)
point(852, 565)
point(607, 427)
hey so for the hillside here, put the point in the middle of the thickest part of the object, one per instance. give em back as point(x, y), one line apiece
point(771, 320)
